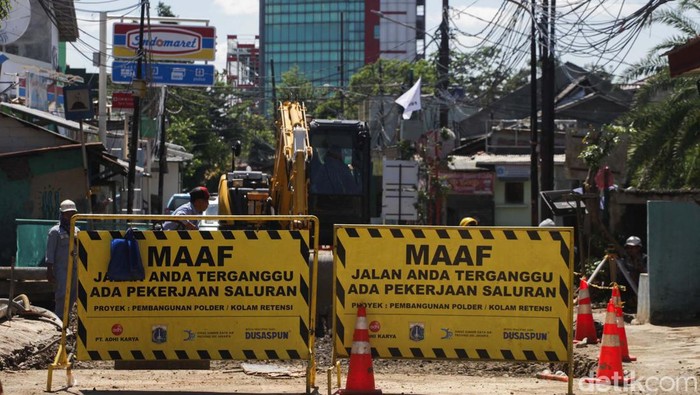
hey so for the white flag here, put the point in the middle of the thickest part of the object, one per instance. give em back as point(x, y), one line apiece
point(410, 101)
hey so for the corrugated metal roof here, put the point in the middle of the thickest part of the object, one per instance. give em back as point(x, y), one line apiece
point(51, 118)
point(67, 23)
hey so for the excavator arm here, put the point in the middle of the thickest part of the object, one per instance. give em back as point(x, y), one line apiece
point(286, 191)
point(289, 182)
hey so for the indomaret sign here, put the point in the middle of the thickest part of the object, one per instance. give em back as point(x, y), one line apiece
point(171, 42)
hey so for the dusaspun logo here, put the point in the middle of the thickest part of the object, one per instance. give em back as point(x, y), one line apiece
point(416, 331)
point(267, 335)
point(159, 334)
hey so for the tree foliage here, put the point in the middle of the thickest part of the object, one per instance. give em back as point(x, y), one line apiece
point(208, 123)
point(295, 86)
point(386, 77)
point(5, 8)
point(684, 20)
point(665, 135)
point(483, 79)
point(664, 124)
point(164, 10)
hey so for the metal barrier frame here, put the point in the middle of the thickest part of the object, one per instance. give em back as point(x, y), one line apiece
point(335, 362)
point(63, 360)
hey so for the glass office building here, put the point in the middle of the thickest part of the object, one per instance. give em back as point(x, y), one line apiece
point(310, 34)
point(319, 35)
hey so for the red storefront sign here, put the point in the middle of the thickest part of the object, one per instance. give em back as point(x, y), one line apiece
point(123, 101)
point(470, 183)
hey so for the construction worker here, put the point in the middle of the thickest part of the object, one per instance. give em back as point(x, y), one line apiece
point(57, 247)
point(199, 201)
point(468, 221)
point(547, 222)
point(635, 261)
point(333, 176)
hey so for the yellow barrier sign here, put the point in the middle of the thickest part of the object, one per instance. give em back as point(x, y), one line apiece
point(206, 295)
point(456, 293)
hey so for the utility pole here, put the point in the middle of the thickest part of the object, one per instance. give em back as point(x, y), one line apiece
point(162, 150)
point(274, 89)
point(342, 65)
point(548, 83)
point(444, 63)
point(139, 90)
point(381, 103)
point(442, 85)
point(534, 173)
point(102, 81)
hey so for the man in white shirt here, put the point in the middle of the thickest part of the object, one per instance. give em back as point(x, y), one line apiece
point(199, 201)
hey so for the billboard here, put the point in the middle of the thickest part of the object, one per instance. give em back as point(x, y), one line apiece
point(487, 293)
point(165, 42)
point(165, 73)
point(206, 295)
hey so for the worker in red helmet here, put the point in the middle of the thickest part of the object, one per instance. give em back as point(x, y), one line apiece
point(199, 201)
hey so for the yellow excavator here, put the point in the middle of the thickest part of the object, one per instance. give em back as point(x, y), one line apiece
point(321, 167)
point(286, 192)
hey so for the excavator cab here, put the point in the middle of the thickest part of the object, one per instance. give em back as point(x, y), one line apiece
point(339, 174)
point(322, 168)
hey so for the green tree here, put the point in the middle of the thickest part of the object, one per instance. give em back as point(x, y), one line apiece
point(683, 19)
point(165, 10)
point(295, 86)
point(664, 124)
point(387, 77)
point(483, 77)
point(665, 135)
point(5, 8)
point(208, 122)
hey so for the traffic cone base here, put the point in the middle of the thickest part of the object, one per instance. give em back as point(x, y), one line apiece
point(360, 392)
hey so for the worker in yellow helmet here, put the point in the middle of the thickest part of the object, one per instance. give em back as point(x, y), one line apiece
point(468, 221)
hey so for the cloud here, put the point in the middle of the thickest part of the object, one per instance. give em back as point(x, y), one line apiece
point(221, 49)
point(248, 7)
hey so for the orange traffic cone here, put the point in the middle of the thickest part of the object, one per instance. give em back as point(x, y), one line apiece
point(585, 327)
point(616, 297)
point(360, 373)
point(619, 317)
point(610, 360)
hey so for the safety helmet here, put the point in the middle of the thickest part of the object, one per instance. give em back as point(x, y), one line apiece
point(68, 205)
point(633, 241)
point(468, 221)
point(547, 222)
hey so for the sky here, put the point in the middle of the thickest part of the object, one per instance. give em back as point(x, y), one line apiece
point(240, 17)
